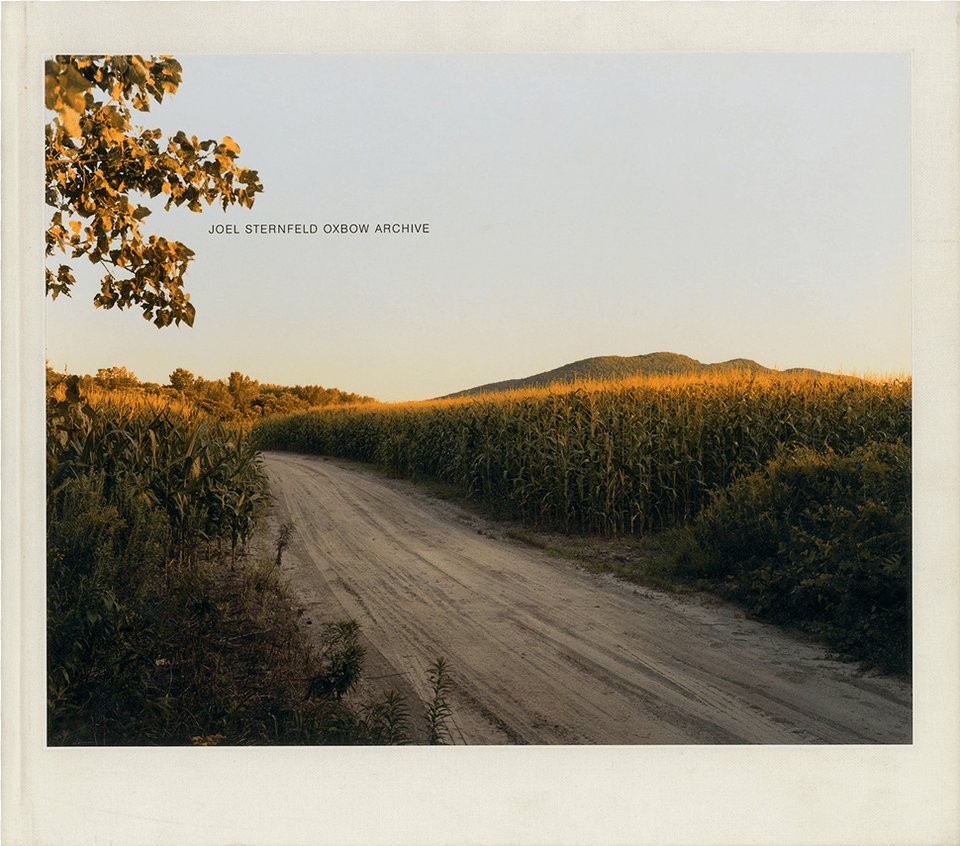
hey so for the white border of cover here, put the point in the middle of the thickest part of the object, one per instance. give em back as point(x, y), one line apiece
point(656, 795)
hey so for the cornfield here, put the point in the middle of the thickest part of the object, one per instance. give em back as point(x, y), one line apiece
point(609, 458)
point(204, 474)
point(125, 403)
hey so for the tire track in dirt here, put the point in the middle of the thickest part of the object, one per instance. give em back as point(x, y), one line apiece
point(542, 652)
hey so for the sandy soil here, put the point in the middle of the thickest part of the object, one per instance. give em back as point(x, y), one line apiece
point(541, 651)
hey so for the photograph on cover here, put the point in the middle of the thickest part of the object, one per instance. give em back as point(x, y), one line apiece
point(477, 399)
point(480, 423)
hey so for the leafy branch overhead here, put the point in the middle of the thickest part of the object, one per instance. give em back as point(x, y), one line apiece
point(96, 162)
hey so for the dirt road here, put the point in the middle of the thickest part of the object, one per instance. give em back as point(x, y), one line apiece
point(542, 652)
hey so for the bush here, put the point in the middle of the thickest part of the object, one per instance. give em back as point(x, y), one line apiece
point(819, 539)
point(105, 562)
point(141, 651)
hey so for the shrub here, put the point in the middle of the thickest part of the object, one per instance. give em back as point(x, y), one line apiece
point(821, 539)
point(105, 565)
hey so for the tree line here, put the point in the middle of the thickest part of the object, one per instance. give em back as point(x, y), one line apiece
point(236, 398)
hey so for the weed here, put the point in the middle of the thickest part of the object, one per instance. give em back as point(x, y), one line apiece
point(389, 721)
point(342, 659)
point(438, 711)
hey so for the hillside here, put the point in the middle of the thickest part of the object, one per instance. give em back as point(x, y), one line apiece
point(613, 367)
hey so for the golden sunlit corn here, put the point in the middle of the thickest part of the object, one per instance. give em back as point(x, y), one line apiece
point(204, 474)
point(606, 457)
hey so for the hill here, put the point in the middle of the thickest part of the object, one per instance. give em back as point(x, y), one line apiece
point(614, 367)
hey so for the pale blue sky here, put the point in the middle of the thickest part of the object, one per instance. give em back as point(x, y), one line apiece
point(719, 206)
